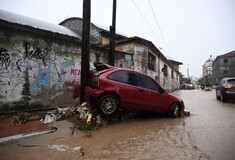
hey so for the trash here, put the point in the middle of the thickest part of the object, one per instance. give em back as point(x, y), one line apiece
point(49, 118)
point(89, 118)
point(80, 149)
point(21, 117)
point(184, 113)
point(64, 148)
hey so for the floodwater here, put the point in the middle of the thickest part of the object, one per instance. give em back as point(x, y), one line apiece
point(208, 133)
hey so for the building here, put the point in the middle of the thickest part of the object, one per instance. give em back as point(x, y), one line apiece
point(40, 62)
point(207, 67)
point(224, 66)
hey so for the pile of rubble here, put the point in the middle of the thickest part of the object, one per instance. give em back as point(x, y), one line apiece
point(83, 116)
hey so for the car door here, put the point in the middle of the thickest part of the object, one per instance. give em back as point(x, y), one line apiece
point(148, 96)
point(123, 83)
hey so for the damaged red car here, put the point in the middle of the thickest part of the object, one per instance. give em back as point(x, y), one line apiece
point(112, 88)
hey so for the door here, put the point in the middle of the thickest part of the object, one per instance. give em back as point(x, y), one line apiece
point(148, 96)
point(123, 83)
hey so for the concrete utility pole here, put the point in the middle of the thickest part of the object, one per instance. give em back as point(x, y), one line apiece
point(112, 35)
point(85, 64)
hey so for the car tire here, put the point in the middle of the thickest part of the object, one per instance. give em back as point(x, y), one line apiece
point(108, 105)
point(174, 110)
point(222, 97)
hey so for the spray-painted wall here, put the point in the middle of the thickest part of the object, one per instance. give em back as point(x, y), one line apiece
point(39, 72)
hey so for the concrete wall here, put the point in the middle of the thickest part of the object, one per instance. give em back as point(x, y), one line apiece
point(38, 71)
point(140, 60)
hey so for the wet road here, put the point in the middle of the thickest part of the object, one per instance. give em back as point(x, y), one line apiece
point(208, 133)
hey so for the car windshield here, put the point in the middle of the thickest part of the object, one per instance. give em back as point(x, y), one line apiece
point(231, 81)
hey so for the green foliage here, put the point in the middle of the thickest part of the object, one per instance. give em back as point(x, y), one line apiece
point(206, 80)
point(183, 79)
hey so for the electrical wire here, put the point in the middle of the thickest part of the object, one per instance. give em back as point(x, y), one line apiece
point(157, 23)
point(145, 20)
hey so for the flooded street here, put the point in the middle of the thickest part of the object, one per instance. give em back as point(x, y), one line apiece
point(208, 133)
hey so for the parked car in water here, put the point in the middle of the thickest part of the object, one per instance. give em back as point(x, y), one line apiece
point(112, 88)
point(226, 89)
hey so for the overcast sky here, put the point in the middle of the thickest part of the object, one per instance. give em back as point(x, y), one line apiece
point(189, 31)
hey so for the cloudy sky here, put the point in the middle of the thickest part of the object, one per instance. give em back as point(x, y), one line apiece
point(189, 31)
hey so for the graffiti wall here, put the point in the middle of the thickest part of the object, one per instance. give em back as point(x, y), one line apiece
point(140, 59)
point(35, 73)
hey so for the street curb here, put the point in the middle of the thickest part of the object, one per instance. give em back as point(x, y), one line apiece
point(14, 138)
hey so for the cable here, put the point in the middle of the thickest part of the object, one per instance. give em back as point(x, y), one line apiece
point(145, 20)
point(157, 23)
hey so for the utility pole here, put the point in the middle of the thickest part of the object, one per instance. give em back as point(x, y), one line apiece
point(112, 35)
point(85, 64)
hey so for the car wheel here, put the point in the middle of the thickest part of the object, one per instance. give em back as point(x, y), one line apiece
point(174, 110)
point(108, 105)
point(222, 97)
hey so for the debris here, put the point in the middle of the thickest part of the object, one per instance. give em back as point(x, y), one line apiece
point(89, 118)
point(184, 113)
point(21, 117)
point(81, 149)
point(49, 118)
point(64, 148)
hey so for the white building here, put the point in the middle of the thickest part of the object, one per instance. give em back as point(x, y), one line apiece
point(207, 66)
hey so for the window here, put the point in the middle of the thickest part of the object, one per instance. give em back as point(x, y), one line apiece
point(226, 60)
point(231, 81)
point(151, 61)
point(128, 57)
point(122, 76)
point(225, 71)
point(147, 82)
point(165, 70)
point(172, 74)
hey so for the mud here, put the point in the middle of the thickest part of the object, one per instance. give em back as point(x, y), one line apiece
point(208, 133)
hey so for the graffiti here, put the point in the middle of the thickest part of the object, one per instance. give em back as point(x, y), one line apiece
point(38, 53)
point(4, 58)
point(71, 85)
point(75, 71)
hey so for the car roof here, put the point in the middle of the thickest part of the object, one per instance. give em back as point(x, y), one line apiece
point(227, 78)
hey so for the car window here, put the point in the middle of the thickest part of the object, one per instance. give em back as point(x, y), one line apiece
point(122, 76)
point(147, 82)
point(231, 81)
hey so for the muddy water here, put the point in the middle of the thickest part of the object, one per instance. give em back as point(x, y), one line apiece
point(208, 133)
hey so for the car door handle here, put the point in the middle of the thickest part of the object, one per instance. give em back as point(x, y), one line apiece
point(141, 90)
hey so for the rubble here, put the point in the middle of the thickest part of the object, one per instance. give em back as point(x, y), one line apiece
point(21, 117)
point(184, 113)
point(83, 116)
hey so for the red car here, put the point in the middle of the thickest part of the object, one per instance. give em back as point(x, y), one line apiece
point(112, 88)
